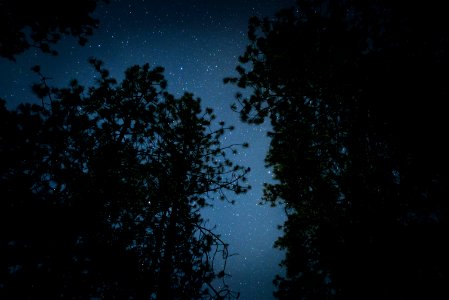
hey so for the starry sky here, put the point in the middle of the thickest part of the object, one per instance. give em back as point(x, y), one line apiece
point(198, 43)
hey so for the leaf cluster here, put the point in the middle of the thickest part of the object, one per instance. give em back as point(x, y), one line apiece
point(41, 24)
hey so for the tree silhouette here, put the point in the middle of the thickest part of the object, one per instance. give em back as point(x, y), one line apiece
point(102, 190)
point(355, 94)
point(26, 24)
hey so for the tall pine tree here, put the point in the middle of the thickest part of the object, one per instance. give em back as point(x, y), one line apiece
point(355, 94)
point(102, 190)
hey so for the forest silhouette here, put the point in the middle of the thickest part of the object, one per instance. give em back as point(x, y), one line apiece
point(355, 92)
point(102, 187)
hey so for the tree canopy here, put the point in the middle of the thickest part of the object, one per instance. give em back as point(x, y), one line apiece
point(102, 190)
point(355, 92)
point(39, 24)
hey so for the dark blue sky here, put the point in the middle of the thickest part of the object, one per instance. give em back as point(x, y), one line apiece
point(198, 42)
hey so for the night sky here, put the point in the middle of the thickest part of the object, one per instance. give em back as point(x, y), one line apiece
point(198, 43)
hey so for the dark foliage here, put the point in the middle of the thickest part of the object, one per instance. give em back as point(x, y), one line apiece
point(356, 93)
point(102, 190)
point(25, 24)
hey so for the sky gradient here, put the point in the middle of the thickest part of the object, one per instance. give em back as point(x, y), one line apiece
point(198, 43)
